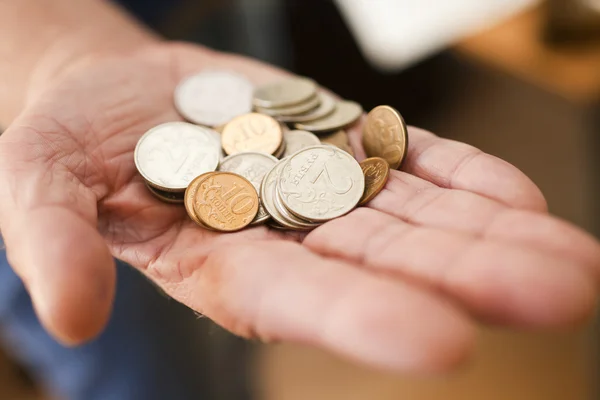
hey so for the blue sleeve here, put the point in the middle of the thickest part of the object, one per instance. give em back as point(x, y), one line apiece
point(149, 11)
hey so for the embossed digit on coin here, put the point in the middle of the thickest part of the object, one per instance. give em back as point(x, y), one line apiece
point(385, 135)
point(252, 166)
point(285, 93)
point(226, 202)
point(170, 155)
point(377, 172)
point(252, 132)
point(190, 198)
point(214, 97)
point(297, 140)
point(321, 183)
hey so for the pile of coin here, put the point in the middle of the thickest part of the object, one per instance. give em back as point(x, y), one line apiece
point(277, 154)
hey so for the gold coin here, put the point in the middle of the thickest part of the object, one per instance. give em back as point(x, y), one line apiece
point(385, 135)
point(226, 202)
point(190, 195)
point(167, 197)
point(338, 139)
point(252, 132)
point(344, 114)
point(285, 93)
point(297, 109)
point(377, 172)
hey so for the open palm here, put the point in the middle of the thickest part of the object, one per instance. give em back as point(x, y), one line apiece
point(456, 237)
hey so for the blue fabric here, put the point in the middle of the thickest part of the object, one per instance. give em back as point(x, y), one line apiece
point(152, 348)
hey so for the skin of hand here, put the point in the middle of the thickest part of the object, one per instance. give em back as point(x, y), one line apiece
point(457, 237)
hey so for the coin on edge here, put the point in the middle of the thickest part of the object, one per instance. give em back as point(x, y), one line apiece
point(268, 192)
point(385, 135)
point(301, 108)
point(167, 197)
point(214, 97)
point(252, 166)
point(252, 132)
point(325, 108)
point(226, 202)
point(169, 156)
point(320, 183)
point(287, 92)
point(298, 140)
point(377, 173)
point(344, 114)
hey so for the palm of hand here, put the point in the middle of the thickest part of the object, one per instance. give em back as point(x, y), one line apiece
point(457, 236)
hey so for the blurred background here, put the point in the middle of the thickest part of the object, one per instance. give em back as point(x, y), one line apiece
point(518, 78)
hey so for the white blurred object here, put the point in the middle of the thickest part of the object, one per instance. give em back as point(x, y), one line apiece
point(393, 34)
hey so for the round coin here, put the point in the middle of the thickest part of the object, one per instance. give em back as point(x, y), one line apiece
point(167, 197)
point(377, 172)
point(297, 223)
point(226, 202)
point(252, 166)
point(344, 114)
point(213, 98)
point(190, 196)
point(252, 132)
point(325, 108)
point(301, 108)
point(268, 191)
point(285, 93)
point(298, 140)
point(338, 139)
point(170, 155)
point(385, 135)
point(320, 183)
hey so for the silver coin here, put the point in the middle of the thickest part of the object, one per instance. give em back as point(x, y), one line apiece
point(167, 197)
point(320, 183)
point(217, 136)
point(169, 156)
point(285, 93)
point(296, 109)
point(325, 108)
point(298, 140)
point(297, 223)
point(344, 114)
point(252, 166)
point(214, 97)
point(267, 194)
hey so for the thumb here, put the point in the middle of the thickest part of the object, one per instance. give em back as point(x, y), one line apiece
point(48, 221)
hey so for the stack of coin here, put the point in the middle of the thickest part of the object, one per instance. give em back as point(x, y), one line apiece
point(277, 154)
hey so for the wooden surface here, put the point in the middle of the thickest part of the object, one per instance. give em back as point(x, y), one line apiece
point(515, 47)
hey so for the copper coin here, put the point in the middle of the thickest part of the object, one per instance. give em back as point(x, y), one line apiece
point(385, 135)
point(226, 202)
point(190, 195)
point(377, 172)
point(252, 132)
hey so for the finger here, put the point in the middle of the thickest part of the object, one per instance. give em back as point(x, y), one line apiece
point(496, 282)
point(419, 202)
point(48, 223)
point(277, 290)
point(456, 165)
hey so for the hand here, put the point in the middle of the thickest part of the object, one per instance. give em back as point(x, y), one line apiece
point(457, 237)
